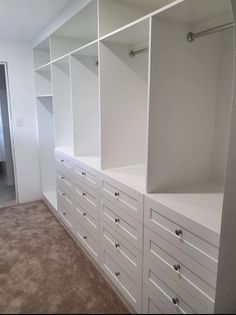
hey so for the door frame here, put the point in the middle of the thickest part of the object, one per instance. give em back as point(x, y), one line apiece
point(16, 201)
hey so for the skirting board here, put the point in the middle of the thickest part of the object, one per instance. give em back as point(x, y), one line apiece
point(55, 213)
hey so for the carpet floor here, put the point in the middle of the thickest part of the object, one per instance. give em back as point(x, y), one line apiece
point(43, 271)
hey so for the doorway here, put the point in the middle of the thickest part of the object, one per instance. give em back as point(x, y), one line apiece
point(8, 192)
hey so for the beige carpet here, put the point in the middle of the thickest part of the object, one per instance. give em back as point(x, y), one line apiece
point(42, 270)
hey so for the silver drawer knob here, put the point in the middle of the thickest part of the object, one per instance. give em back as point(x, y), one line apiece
point(178, 232)
point(83, 194)
point(117, 245)
point(83, 173)
point(62, 161)
point(117, 194)
point(64, 214)
point(63, 194)
point(84, 214)
point(177, 267)
point(85, 237)
point(117, 274)
point(62, 177)
point(175, 301)
point(117, 220)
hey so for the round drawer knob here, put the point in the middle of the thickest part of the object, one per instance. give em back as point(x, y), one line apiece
point(62, 161)
point(117, 194)
point(117, 274)
point(64, 214)
point(83, 173)
point(175, 301)
point(178, 232)
point(117, 245)
point(63, 194)
point(84, 214)
point(177, 267)
point(62, 177)
point(84, 194)
point(85, 237)
point(117, 220)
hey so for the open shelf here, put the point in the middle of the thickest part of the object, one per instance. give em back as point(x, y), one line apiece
point(62, 102)
point(190, 106)
point(124, 97)
point(81, 29)
point(47, 145)
point(42, 53)
point(115, 14)
point(43, 81)
point(85, 101)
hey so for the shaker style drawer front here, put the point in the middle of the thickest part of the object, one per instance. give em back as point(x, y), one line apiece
point(89, 241)
point(86, 196)
point(157, 250)
point(122, 223)
point(64, 163)
point(121, 249)
point(87, 217)
point(124, 197)
point(157, 279)
point(194, 246)
point(84, 174)
point(128, 283)
point(66, 216)
point(64, 197)
point(65, 182)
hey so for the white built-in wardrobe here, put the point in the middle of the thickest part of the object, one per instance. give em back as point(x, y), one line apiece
point(137, 131)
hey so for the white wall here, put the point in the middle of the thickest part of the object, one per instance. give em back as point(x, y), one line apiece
point(19, 57)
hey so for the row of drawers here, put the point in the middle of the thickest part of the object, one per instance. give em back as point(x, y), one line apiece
point(167, 246)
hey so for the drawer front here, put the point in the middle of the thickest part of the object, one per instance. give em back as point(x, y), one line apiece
point(197, 248)
point(84, 174)
point(64, 163)
point(89, 241)
point(122, 223)
point(157, 249)
point(124, 197)
point(86, 196)
point(121, 249)
point(157, 303)
point(158, 280)
point(64, 197)
point(64, 182)
point(66, 216)
point(127, 282)
point(87, 217)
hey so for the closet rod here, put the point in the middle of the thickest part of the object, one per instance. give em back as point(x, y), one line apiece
point(133, 53)
point(192, 36)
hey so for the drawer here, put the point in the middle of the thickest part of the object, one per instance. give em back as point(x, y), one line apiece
point(86, 196)
point(158, 280)
point(88, 240)
point(122, 196)
point(64, 197)
point(64, 163)
point(122, 223)
point(157, 303)
point(83, 173)
point(194, 246)
point(163, 253)
point(66, 216)
point(127, 282)
point(87, 217)
point(64, 182)
point(121, 249)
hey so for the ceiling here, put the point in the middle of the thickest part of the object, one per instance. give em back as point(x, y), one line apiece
point(24, 19)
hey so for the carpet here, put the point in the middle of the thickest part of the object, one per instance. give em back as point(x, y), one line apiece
point(43, 271)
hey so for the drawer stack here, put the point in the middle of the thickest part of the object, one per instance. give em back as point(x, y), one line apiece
point(180, 263)
point(122, 238)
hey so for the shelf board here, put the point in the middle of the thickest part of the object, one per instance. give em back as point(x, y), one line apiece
point(44, 96)
point(51, 197)
point(45, 67)
point(133, 176)
point(202, 203)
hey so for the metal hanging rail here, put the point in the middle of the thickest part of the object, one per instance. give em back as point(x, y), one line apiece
point(192, 36)
point(133, 53)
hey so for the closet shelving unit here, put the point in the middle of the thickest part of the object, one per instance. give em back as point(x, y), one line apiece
point(121, 88)
point(190, 106)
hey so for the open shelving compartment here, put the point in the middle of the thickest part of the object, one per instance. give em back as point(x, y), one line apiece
point(78, 31)
point(43, 81)
point(41, 53)
point(61, 85)
point(191, 86)
point(85, 103)
point(124, 104)
point(114, 14)
point(47, 147)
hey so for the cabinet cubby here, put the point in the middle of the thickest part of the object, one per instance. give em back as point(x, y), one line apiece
point(80, 30)
point(43, 81)
point(85, 101)
point(63, 119)
point(41, 54)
